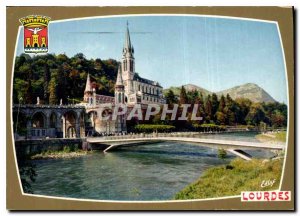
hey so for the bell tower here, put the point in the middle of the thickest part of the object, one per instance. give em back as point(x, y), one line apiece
point(120, 99)
point(88, 92)
point(128, 64)
point(119, 88)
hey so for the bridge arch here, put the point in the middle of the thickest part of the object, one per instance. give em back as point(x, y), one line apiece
point(70, 124)
point(38, 120)
point(38, 124)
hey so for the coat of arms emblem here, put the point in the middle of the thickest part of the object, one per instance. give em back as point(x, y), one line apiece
point(35, 33)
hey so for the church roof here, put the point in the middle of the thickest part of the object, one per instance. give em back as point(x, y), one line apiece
point(137, 77)
point(88, 86)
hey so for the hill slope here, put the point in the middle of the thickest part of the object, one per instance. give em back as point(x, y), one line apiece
point(188, 87)
point(250, 91)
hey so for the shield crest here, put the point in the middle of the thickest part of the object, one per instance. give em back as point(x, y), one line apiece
point(35, 33)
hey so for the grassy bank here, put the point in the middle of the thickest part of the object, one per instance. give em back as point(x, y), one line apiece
point(229, 180)
point(67, 152)
point(272, 137)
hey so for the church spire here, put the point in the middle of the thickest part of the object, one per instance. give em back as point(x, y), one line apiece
point(88, 87)
point(127, 38)
point(128, 48)
point(119, 77)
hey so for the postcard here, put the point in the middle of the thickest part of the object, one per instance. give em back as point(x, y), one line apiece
point(150, 108)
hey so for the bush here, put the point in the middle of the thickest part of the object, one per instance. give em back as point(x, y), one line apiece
point(67, 149)
point(222, 153)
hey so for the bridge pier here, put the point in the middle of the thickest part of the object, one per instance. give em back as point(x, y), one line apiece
point(241, 154)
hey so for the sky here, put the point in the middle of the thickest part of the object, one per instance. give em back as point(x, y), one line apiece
point(211, 52)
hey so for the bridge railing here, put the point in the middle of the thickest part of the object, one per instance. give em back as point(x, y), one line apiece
point(151, 135)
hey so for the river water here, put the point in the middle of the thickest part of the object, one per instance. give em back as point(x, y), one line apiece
point(144, 172)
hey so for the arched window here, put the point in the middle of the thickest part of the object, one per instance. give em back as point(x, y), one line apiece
point(157, 91)
point(119, 99)
point(139, 87)
point(131, 65)
point(38, 120)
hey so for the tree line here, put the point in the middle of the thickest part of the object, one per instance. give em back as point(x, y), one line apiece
point(224, 110)
point(54, 77)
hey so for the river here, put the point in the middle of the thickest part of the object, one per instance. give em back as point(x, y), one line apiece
point(144, 172)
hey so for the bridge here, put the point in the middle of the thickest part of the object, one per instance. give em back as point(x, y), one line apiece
point(232, 146)
point(53, 121)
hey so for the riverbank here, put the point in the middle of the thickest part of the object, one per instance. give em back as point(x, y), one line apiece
point(65, 154)
point(231, 179)
point(272, 137)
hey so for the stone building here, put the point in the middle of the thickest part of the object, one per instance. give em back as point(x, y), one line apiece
point(130, 89)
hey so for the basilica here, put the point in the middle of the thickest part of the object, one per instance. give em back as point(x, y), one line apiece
point(130, 89)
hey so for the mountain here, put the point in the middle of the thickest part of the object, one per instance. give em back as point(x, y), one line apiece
point(188, 87)
point(250, 91)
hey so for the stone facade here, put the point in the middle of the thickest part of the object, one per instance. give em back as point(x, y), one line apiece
point(54, 121)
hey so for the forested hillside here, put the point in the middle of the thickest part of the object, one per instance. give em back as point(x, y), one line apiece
point(53, 77)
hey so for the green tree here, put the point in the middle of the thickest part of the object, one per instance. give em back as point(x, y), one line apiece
point(29, 93)
point(277, 119)
point(244, 107)
point(46, 80)
point(208, 109)
point(192, 96)
point(214, 105)
point(183, 99)
point(220, 118)
point(171, 98)
point(61, 84)
point(255, 115)
point(53, 91)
